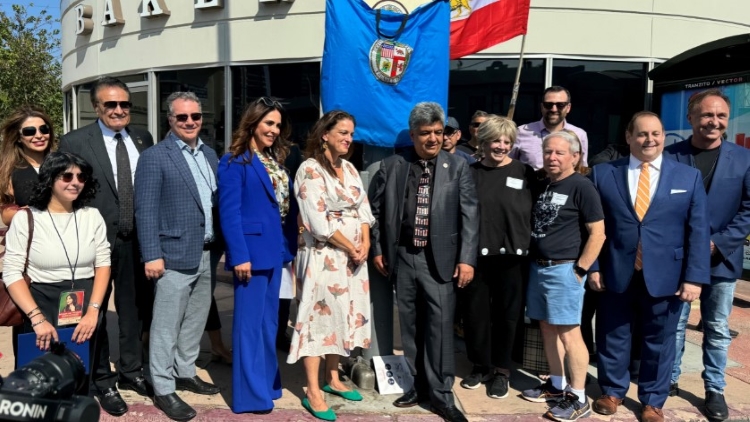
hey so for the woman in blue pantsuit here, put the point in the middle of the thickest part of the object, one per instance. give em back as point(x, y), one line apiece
point(254, 203)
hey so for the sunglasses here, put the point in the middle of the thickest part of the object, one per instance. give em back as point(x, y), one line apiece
point(548, 105)
point(67, 177)
point(183, 117)
point(111, 105)
point(448, 131)
point(475, 124)
point(269, 102)
point(31, 130)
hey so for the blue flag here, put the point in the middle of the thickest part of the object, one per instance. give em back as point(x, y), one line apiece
point(378, 64)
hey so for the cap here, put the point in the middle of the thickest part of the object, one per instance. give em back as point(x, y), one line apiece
point(452, 123)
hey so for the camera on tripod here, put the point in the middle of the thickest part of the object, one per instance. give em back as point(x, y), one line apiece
point(44, 390)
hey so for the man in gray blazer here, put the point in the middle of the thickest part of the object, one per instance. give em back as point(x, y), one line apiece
point(114, 168)
point(426, 240)
point(175, 193)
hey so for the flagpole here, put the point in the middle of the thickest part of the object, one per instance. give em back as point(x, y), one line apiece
point(517, 84)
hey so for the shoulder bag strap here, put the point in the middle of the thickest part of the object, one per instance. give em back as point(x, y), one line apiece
point(31, 236)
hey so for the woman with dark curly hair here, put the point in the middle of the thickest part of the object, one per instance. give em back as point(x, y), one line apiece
point(257, 219)
point(69, 251)
point(27, 136)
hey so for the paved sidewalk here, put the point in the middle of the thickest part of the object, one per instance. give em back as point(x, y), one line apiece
point(475, 403)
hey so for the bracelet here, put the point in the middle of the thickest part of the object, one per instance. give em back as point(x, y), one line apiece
point(94, 305)
point(38, 322)
point(28, 314)
point(38, 313)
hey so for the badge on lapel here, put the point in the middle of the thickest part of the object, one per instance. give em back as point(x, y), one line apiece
point(139, 140)
point(445, 165)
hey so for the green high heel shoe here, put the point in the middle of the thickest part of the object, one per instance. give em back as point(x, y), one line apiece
point(349, 395)
point(326, 415)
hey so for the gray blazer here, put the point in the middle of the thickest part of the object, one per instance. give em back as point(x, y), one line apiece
point(88, 142)
point(454, 222)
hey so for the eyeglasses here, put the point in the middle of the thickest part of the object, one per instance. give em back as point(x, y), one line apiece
point(449, 131)
point(270, 102)
point(111, 105)
point(67, 177)
point(31, 130)
point(183, 117)
point(475, 124)
point(549, 104)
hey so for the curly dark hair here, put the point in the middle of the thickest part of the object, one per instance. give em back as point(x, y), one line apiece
point(314, 148)
point(54, 165)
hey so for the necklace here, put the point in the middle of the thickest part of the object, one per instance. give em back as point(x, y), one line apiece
point(78, 246)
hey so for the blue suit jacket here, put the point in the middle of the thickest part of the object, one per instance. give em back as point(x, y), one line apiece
point(168, 209)
point(729, 203)
point(673, 233)
point(249, 215)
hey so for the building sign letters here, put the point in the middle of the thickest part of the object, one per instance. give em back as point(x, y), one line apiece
point(84, 14)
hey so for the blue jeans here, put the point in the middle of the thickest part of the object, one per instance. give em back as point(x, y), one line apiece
point(716, 305)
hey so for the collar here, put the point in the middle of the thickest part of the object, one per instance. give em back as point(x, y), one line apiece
point(182, 145)
point(636, 163)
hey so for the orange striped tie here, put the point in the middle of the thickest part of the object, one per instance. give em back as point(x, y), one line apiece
point(642, 201)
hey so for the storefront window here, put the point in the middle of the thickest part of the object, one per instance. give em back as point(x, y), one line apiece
point(295, 85)
point(208, 85)
point(604, 97)
point(487, 85)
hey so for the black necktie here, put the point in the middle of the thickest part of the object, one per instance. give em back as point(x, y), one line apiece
point(422, 217)
point(124, 186)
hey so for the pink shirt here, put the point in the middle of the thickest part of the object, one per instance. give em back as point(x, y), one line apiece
point(528, 146)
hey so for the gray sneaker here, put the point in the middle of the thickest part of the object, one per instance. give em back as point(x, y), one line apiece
point(498, 388)
point(569, 409)
point(542, 393)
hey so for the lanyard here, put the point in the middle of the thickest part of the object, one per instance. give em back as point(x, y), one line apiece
point(206, 179)
point(78, 247)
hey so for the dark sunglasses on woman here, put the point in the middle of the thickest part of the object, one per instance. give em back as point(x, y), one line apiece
point(31, 130)
point(67, 177)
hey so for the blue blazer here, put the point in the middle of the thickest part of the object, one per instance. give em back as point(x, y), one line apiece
point(729, 203)
point(673, 233)
point(249, 215)
point(171, 223)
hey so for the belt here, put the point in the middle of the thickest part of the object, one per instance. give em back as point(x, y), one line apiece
point(553, 262)
point(208, 245)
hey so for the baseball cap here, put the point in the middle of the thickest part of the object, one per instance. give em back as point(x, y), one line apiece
point(452, 123)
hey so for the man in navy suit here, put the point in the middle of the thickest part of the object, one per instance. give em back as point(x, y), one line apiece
point(725, 169)
point(175, 192)
point(656, 258)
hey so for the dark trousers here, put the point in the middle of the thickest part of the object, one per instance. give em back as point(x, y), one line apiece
point(492, 305)
point(133, 303)
point(426, 307)
point(213, 322)
point(615, 316)
point(47, 297)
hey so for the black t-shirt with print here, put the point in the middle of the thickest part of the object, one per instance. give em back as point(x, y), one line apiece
point(560, 215)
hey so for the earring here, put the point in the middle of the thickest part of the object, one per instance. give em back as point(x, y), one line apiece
point(325, 146)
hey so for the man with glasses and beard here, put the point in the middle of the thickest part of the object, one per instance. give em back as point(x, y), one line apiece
point(112, 148)
point(555, 107)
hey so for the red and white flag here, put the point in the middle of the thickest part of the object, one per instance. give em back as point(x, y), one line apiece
point(480, 24)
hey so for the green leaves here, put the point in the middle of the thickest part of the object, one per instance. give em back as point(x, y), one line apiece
point(30, 63)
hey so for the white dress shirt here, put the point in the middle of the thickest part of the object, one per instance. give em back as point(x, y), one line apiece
point(111, 144)
point(634, 173)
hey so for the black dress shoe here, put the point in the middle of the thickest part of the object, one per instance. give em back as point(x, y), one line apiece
point(196, 385)
point(139, 385)
point(449, 413)
point(410, 399)
point(173, 406)
point(111, 401)
point(716, 406)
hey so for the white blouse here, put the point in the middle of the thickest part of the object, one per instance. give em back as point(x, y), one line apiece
point(47, 258)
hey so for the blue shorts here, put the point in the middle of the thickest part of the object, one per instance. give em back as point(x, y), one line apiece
point(555, 295)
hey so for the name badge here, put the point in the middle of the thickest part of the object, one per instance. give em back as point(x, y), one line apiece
point(71, 307)
point(514, 183)
point(559, 199)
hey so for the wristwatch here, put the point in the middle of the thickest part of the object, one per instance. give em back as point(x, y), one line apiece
point(580, 270)
point(95, 305)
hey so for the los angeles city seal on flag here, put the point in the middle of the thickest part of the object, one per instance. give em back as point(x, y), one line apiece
point(388, 60)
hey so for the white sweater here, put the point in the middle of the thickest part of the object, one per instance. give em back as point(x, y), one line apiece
point(47, 261)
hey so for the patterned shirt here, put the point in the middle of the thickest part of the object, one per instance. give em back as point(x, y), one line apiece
point(279, 179)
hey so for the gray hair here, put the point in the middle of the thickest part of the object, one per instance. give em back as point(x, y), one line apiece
point(566, 136)
point(425, 113)
point(495, 127)
point(182, 95)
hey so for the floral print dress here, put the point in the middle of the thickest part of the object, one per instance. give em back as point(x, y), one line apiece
point(334, 309)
